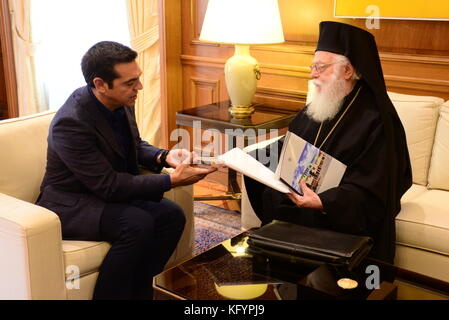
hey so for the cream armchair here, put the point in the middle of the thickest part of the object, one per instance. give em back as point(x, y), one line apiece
point(35, 263)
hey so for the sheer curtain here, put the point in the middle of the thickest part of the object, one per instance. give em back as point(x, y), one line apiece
point(50, 38)
point(62, 31)
point(23, 56)
point(144, 27)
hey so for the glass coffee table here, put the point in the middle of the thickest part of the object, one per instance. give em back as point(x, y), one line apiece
point(228, 271)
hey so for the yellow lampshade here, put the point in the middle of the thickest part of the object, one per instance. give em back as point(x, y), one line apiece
point(242, 22)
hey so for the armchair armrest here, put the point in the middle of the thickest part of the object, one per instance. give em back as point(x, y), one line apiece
point(31, 257)
point(181, 195)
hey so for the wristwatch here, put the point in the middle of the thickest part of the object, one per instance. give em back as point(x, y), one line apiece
point(164, 159)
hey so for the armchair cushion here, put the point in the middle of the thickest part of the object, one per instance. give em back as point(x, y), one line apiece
point(438, 172)
point(24, 155)
point(419, 115)
point(86, 255)
point(423, 221)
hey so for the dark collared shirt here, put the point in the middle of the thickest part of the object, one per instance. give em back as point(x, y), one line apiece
point(119, 123)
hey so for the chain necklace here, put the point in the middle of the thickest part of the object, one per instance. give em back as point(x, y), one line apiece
point(336, 123)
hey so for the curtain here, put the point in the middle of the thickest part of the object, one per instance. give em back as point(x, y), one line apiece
point(23, 56)
point(144, 30)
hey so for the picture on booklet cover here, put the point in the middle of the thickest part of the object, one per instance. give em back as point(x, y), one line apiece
point(301, 160)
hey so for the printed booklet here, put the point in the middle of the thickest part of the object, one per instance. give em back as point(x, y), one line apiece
point(299, 160)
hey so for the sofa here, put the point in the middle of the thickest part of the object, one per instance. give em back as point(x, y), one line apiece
point(35, 263)
point(422, 226)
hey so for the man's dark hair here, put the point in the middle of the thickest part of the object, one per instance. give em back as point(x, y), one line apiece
point(100, 60)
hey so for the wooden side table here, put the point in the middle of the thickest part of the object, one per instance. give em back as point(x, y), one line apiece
point(216, 116)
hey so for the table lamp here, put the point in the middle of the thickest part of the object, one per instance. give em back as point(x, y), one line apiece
point(242, 23)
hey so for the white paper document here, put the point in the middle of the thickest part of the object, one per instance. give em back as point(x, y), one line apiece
point(242, 162)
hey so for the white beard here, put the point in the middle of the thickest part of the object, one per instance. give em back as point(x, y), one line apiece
point(328, 101)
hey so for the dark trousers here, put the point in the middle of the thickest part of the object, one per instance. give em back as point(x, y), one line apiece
point(143, 235)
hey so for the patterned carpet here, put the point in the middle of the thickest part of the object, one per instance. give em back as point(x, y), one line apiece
point(213, 225)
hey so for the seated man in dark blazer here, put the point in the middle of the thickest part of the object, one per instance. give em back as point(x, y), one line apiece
point(92, 178)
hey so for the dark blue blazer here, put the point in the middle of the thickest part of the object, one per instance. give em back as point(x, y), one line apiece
point(86, 168)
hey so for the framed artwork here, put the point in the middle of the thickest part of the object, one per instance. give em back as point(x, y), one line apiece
point(387, 9)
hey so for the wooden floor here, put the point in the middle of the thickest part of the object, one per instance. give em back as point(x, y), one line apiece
point(215, 185)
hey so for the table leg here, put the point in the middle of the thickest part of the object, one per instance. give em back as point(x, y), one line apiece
point(233, 188)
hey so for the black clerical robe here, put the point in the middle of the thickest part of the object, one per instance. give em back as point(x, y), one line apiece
point(360, 204)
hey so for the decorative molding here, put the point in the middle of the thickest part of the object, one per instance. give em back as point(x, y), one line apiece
point(286, 47)
point(302, 72)
point(298, 95)
point(195, 30)
point(415, 59)
point(413, 84)
point(197, 84)
point(194, 18)
point(292, 48)
point(283, 99)
point(200, 61)
point(418, 85)
point(197, 42)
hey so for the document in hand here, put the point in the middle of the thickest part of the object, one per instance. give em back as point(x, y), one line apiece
point(299, 160)
point(242, 162)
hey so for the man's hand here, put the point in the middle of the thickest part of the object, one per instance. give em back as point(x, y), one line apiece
point(309, 199)
point(176, 156)
point(186, 174)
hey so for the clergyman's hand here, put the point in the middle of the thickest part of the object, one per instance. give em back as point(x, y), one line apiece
point(309, 199)
point(186, 174)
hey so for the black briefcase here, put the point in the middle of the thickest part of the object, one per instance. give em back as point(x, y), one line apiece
point(295, 243)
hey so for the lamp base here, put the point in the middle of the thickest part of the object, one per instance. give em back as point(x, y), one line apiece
point(241, 112)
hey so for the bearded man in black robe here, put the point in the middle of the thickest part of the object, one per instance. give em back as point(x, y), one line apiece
point(351, 118)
